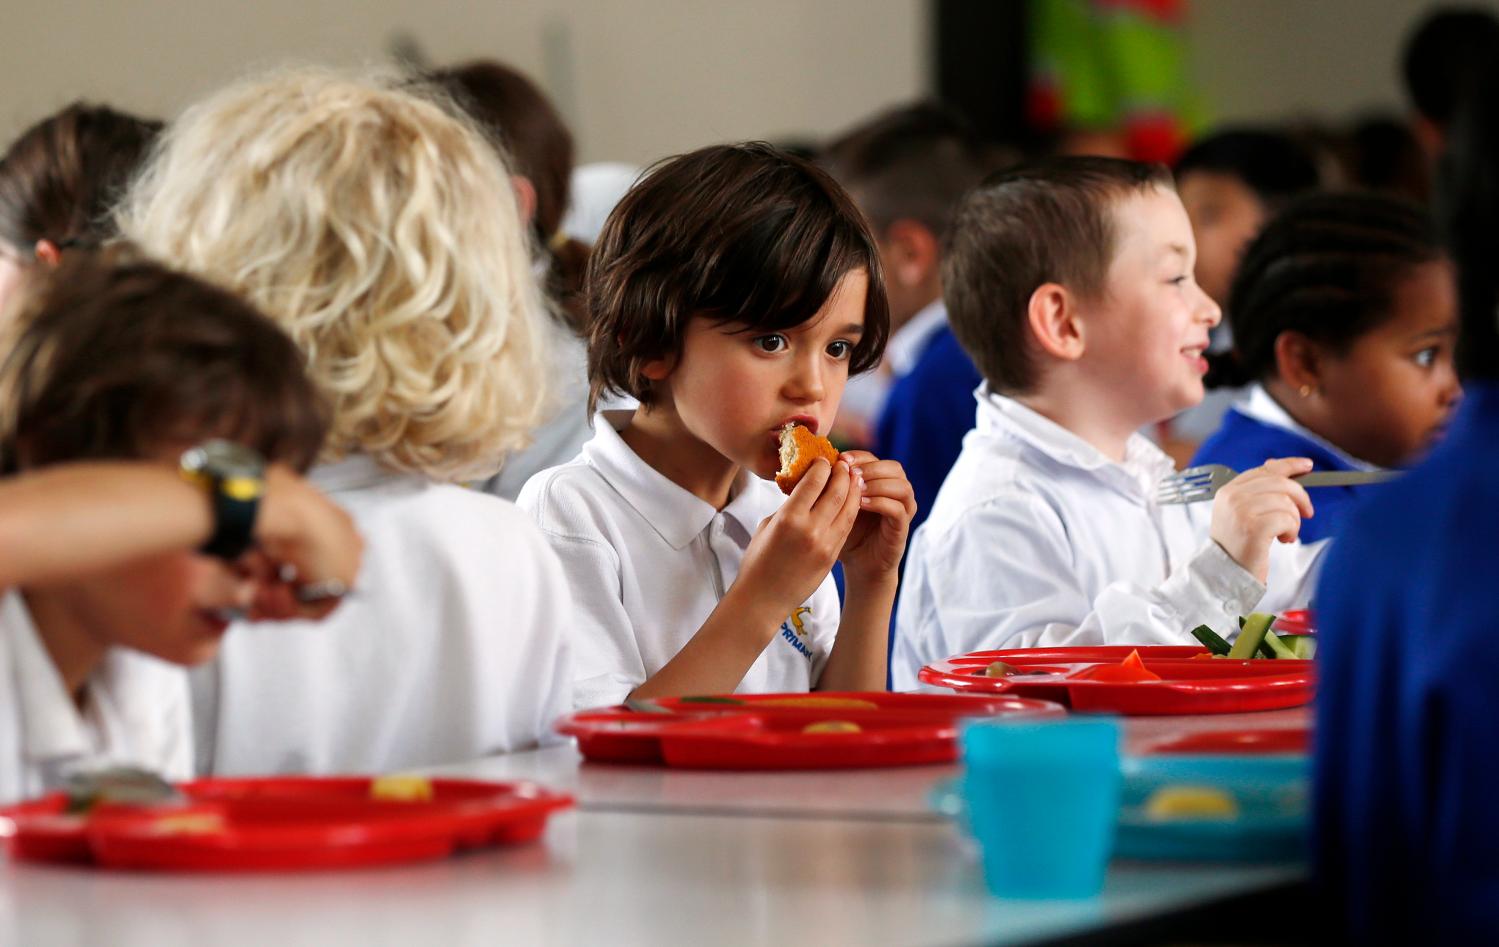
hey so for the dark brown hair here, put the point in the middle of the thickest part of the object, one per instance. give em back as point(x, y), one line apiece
point(523, 120)
point(740, 234)
point(114, 357)
point(1050, 221)
point(909, 163)
point(60, 177)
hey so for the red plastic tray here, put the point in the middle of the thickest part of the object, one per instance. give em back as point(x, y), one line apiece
point(295, 823)
point(1239, 742)
point(1189, 684)
point(898, 730)
point(1297, 622)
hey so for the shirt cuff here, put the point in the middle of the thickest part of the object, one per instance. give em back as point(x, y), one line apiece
point(1214, 587)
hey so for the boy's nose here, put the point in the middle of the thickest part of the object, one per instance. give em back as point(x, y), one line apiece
point(1212, 313)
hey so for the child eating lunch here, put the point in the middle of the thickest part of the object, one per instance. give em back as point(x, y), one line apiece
point(732, 292)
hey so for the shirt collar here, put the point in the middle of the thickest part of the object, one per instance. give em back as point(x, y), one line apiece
point(673, 512)
point(1265, 409)
point(905, 346)
point(355, 472)
point(52, 726)
point(1138, 474)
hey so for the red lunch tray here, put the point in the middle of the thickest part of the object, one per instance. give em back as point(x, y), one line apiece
point(758, 732)
point(1189, 685)
point(1239, 742)
point(294, 823)
point(1298, 622)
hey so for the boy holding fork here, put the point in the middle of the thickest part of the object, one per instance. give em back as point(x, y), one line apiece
point(1070, 284)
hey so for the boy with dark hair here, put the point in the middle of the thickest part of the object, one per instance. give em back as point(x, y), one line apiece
point(907, 169)
point(1070, 283)
point(112, 565)
point(731, 293)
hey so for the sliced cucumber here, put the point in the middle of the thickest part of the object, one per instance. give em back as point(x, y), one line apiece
point(1303, 646)
point(1274, 646)
point(1251, 635)
point(1211, 640)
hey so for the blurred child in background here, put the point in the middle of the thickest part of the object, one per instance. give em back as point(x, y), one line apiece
point(1344, 318)
point(380, 230)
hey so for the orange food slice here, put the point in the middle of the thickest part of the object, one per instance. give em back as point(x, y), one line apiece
point(799, 448)
point(819, 703)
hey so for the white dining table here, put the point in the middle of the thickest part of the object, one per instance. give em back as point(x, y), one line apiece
point(649, 856)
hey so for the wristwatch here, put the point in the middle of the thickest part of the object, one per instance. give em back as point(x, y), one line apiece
point(233, 476)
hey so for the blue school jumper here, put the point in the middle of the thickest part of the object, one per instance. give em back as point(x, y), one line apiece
point(1244, 443)
point(926, 415)
point(1406, 805)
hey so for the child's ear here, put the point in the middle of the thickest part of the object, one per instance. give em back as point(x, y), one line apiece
point(47, 252)
point(658, 369)
point(525, 197)
point(913, 253)
point(1054, 322)
point(1298, 362)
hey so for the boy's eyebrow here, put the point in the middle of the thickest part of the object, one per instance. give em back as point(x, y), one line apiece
point(1442, 332)
point(853, 328)
point(1178, 248)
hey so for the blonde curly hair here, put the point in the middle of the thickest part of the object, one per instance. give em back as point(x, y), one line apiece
point(380, 229)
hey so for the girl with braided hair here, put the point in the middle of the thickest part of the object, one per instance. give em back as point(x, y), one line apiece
point(1344, 317)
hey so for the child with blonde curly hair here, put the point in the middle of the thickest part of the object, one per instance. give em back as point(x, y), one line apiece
point(379, 228)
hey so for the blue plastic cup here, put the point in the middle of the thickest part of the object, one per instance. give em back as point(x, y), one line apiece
point(1043, 799)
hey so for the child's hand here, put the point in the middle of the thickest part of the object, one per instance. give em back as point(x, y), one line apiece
point(793, 550)
point(1258, 506)
point(300, 528)
point(878, 539)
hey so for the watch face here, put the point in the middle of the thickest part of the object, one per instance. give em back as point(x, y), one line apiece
point(224, 459)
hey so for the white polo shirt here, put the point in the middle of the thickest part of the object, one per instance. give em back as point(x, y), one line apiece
point(135, 713)
point(452, 646)
point(648, 562)
point(1037, 539)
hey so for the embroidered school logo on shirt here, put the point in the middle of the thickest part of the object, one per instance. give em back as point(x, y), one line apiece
point(793, 630)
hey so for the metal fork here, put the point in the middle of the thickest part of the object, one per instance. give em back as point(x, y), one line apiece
point(1202, 483)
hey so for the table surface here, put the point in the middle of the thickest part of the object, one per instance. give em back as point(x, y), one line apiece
point(651, 856)
point(898, 792)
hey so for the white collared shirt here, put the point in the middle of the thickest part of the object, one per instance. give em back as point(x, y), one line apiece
point(1037, 539)
point(135, 713)
point(648, 562)
point(452, 646)
point(1265, 409)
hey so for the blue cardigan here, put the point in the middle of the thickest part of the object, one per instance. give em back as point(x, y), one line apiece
point(1407, 740)
point(1244, 443)
point(926, 415)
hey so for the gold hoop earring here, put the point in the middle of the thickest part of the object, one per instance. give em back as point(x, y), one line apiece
point(1305, 391)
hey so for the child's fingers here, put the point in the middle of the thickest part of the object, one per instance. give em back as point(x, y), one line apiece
point(857, 458)
point(1287, 466)
point(809, 488)
point(839, 485)
point(882, 470)
point(843, 520)
point(887, 507)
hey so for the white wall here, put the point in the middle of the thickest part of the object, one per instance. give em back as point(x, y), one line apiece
point(636, 78)
point(1275, 59)
point(643, 78)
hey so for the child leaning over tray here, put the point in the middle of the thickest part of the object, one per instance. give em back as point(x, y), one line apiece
point(732, 291)
point(1070, 283)
point(117, 559)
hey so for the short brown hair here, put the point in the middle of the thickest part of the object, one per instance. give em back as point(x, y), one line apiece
point(1050, 221)
point(114, 357)
point(743, 234)
point(514, 111)
point(908, 163)
point(59, 179)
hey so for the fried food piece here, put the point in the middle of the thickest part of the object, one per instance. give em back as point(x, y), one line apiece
point(799, 448)
point(833, 726)
point(819, 703)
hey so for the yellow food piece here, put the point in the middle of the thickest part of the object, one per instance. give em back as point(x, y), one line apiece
point(189, 823)
point(833, 726)
point(819, 703)
point(1191, 802)
point(401, 789)
point(1000, 669)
